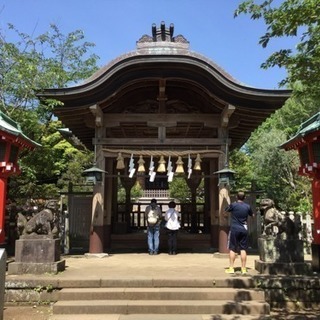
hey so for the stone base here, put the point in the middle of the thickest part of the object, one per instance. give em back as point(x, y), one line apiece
point(37, 255)
point(96, 255)
point(39, 250)
point(315, 254)
point(284, 268)
point(36, 268)
point(277, 250)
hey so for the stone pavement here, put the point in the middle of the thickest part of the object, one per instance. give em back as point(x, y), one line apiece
point(143, 265)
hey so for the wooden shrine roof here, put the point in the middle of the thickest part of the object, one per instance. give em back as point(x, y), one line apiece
point(11, 129)
point(163, 77)
point(308, 129)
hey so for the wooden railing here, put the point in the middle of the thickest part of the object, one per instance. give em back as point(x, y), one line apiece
point(134, 217)
point(155, 193)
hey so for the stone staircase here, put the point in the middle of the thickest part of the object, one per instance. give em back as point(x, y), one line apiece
point(225, 298)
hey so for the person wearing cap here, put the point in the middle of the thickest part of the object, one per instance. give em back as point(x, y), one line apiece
point(153, 217)
point(238, 235)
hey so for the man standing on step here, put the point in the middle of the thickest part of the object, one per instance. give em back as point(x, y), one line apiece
point(153, 216)
point(238, 235)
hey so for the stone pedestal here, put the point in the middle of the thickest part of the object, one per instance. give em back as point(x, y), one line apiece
point(278, 256)
point(39, 255)
point(315, 253)
point(3, 260)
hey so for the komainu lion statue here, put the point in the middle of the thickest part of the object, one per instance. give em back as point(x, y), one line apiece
point(276, 223)
point(44, 222)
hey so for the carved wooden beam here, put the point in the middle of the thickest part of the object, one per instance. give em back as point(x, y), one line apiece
point(162, 124)
point(154, 141)
point(226, 114)
point(162, 134)
point(162, 98)
point(97, 112)
point(163, 120)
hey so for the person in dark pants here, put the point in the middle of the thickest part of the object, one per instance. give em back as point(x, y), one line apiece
point(173, 225)
point(238, 235)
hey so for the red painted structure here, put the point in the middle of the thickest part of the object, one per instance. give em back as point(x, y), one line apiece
point(307, 142)
point(12, 140)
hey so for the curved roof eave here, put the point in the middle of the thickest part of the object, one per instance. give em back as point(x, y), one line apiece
point(215, 77)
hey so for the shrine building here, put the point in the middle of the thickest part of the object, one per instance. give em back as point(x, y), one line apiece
point(158, 113)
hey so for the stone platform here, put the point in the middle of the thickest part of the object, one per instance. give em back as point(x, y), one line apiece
point(283, 268)
point(37, 255)
point(279, 256)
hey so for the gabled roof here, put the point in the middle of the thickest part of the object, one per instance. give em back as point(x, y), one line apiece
point(310, 126)
point(13, 129)
point(163, 64)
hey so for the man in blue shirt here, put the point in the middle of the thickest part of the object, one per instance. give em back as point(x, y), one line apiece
point(238, 235)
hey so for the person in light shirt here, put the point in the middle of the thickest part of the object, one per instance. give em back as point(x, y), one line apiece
point(172, 217)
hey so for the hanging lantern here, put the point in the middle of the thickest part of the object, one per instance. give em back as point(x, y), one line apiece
point(179, 163)
point(93, 175)
point(162, 165)
point(197, 163)
point(225, 176)
point(120, 162)
point(141, 163)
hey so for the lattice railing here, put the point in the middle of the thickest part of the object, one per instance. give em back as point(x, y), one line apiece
point(156, 193)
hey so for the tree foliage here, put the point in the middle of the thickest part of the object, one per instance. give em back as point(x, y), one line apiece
point(179, 190)
point(270, 168)
point(241, 163)
point(274, 170)
point(292, 18)
point(27, 66)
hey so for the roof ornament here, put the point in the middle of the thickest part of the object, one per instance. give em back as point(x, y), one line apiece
point(163, 34)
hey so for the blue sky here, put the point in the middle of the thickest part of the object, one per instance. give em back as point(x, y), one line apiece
point(115, 26)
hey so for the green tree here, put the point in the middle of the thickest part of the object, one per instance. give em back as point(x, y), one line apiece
point(275, 171)
point(27, 66)
point(50, 60)
point(178, 189)
point(241, 163)
point(135, 192)
point(291, 18)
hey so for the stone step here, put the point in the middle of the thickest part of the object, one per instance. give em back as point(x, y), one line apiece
point(229, 281)
point(158, 317)
point(160, 307)
point(160, 294)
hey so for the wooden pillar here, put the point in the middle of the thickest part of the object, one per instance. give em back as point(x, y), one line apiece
point(109, 195)
point(316, 209)
point(98, 210)
point(3, 197)
point(214, 208)
point(193, 184)
point(96, 230)
point(315, 246)
point(224, 201)
point(224, 192)
point(128, 184)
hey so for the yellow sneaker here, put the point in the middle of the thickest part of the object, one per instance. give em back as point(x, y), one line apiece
point(229, 270)
point(244, 270)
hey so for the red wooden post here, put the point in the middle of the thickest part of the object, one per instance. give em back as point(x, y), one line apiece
point(307, 142)
point(3, 197)
point(316, 210)
point(12, 140)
